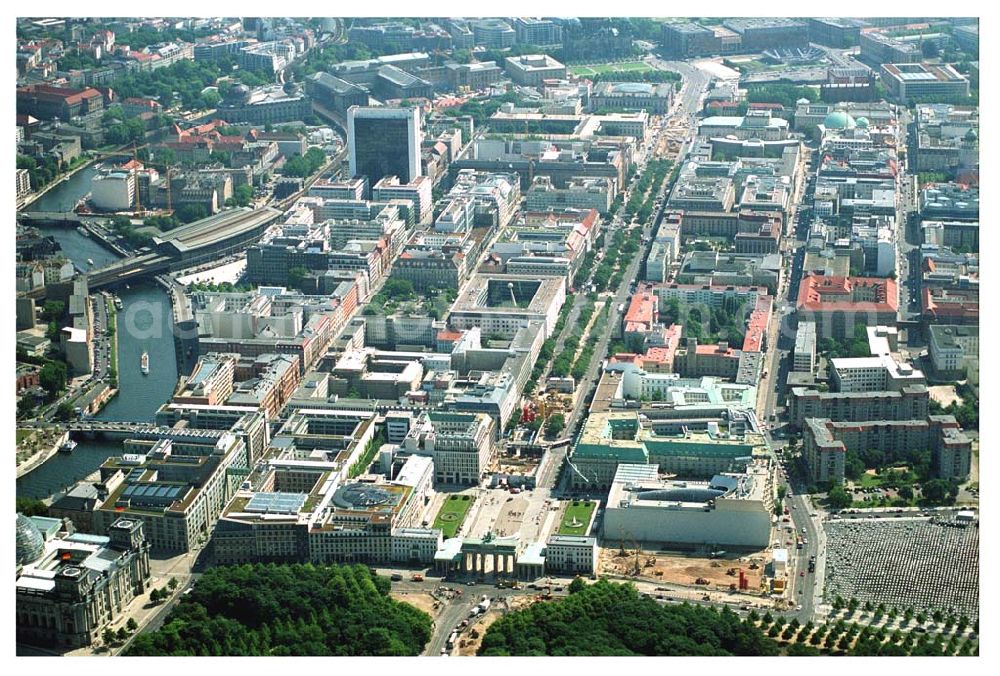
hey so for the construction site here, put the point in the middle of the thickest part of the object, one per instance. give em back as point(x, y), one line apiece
point(672, 139)
point(727, 573)
point(520, 455)
point(429, 602)
point(553, 400)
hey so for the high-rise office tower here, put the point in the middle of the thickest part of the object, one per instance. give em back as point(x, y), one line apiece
point(384, 142)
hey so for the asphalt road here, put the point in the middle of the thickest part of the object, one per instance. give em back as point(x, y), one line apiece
point(908, 242)
point(694, 88)
point(806, 587)
point(454, 612)
point(457, 609)
point(687, 103)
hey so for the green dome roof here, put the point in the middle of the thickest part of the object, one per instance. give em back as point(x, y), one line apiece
point(838, 119)
point(863, 122)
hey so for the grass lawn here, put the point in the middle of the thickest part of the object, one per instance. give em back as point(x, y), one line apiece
point(752, 65)
point(24, 434)
point(874, 481)
point(627, 66)
point(576, 518)
point(452, 514)
point(869, 481)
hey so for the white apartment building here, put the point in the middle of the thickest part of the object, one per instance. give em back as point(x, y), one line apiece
point(417, 191)
point(189, 492)
point(530, 69)
point(873, 374)
point(23, 182)
point(729, 510)
point(711, 296)
point(114, 191)
point(804, 355)
point(77, 349)
point(415, 545)
point(952, 348)
point(350, 189)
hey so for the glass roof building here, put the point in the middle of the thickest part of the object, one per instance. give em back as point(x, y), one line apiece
point(30, 544)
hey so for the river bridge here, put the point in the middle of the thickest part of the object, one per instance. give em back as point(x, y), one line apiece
point(117, 431)
point(70, 219)
point(109, 429)
point(205, 240)
point(209, 239)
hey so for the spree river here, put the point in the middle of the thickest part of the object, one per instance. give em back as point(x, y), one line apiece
point(65, 195)
point(145, 324)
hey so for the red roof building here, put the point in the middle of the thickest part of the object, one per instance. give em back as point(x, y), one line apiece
point(657, 358)
point(837, 304)
point(47, 102)
point(626, 358)
point(446, 339)
point(756, 335)
point(135, 105)
point(694, 360)
point(642, 312)
point(950, 306)
point(661, 359)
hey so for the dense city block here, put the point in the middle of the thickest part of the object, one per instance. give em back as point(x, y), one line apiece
point(497, 336)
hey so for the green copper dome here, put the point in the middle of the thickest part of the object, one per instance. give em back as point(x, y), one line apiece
point(863, 122)
point(838, 119)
